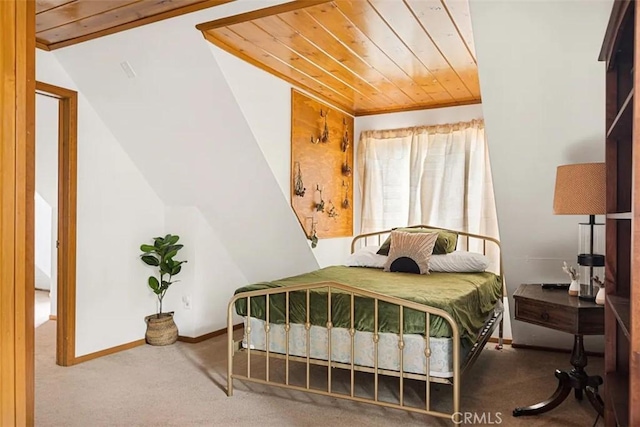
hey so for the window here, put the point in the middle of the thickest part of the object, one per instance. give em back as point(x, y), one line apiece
point(433, 175)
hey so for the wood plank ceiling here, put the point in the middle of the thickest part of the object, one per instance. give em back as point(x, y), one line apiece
point(61, 23)
point(363, 56)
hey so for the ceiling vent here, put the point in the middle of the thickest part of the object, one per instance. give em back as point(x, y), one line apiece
point(126, 67)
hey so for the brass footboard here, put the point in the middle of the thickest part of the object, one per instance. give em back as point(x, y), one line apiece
point(333, 288)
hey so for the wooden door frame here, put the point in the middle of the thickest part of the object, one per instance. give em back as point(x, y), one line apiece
point(67, 196)
point(17, 187)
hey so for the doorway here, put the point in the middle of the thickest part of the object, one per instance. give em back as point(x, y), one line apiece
point(46, 209)
point(64, 245)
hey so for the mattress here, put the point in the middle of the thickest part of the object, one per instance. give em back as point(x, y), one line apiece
point(467, 297)
point(414, 359)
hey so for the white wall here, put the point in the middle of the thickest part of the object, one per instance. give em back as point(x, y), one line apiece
point(117, 211)
point(265, 102)
point(43, 237)
point(179, 124)
point(46, 228)
point(543, 100)
point(205, 280)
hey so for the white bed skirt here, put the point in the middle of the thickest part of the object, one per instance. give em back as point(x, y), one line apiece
point(414, 359)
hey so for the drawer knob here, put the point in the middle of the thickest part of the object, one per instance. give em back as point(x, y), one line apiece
point(545, 316)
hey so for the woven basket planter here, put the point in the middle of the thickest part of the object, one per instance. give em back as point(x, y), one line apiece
point(161, 331)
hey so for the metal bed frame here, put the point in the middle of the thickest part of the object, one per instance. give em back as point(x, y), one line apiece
point(494, 320)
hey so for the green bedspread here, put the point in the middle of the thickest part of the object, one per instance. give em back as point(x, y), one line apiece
point(467, 297)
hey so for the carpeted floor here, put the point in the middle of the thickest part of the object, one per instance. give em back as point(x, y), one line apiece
point(183, 385)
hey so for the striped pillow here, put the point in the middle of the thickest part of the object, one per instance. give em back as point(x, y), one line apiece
point(410, 252)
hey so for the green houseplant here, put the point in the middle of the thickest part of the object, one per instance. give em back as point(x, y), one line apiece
point(161, 329)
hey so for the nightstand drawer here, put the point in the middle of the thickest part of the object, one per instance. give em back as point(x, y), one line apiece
point(544, 314)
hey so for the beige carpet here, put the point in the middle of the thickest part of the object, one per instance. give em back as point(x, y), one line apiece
point(183, 385)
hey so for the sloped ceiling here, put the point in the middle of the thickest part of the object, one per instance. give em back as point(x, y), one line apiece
point(181, 125)
point(363, 56)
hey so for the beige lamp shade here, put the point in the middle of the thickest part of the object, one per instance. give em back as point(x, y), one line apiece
point(580, 189)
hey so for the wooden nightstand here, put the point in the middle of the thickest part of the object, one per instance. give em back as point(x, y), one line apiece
point(555, 309)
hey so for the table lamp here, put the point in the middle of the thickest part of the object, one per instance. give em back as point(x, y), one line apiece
point(581, 190)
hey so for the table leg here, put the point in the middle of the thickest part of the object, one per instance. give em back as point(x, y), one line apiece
point(561, 393)
point(576, 379)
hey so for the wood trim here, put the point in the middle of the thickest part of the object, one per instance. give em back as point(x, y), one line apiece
point(40, 44)
point(17, 184)
point(144, 21)
point(55, 91)
point(108, 351)
point(260, 13)
point(554, 349)
point(195, 340)
point(217, 42)
point(417, 107)
point(53, 317)
point(67, 217)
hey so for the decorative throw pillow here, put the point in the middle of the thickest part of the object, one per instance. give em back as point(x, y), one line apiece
point(446, 243)
point(410, 252)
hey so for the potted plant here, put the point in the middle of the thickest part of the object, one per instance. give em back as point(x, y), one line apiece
point(161, 329)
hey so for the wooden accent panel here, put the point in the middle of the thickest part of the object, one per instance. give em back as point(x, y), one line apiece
point(379, 53)
point(365, 57)
point(17, 186)
point(195, 340)
point(61, 23)
point(321, 164)
point(439, 80)
point(435, 20)
point(293, 40)
point(461, 16)
point(342, 54)
point(231, 42)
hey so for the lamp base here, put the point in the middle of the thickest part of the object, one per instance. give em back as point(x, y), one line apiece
point(591, 298)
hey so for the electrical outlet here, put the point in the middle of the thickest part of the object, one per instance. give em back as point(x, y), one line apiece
point(186, 302)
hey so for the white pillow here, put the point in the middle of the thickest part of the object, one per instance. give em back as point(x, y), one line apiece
point(454, 262)
point(459, 262)
point(366, 257)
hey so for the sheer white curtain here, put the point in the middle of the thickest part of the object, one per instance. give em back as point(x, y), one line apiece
point(435, 175)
